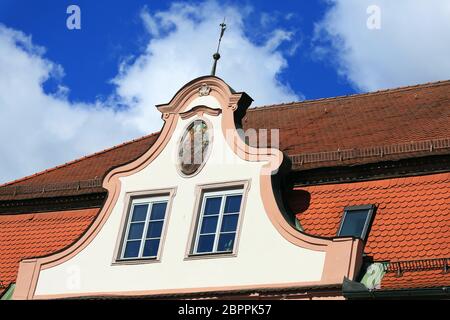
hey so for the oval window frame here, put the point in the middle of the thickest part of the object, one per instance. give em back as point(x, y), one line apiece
point(208, 151)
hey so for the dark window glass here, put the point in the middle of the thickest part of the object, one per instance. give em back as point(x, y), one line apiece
point(132, 249)
point(139, 212)
point(154, 229)
point(233, 204)
point(212, 206)
point(229, 222)
point(218, 225)
point(226, 241)
point(209, 224)
point(158, 211)
point(205, 243)
point(354, 222)
point(136, 230)
point(139, 244)
point(151, 248)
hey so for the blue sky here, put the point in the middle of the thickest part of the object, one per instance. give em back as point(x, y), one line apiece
point(74, 92)
point(113, 30)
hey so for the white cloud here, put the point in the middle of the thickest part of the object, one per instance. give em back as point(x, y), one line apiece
point(184, 39)
point(39, 130)
point(412, 46)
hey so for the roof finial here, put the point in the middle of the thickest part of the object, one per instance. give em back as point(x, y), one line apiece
point(216, 56)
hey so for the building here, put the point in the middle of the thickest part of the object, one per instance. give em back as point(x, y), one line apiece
point(354, 202)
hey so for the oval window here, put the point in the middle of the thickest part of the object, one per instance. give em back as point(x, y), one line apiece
point(193, 147)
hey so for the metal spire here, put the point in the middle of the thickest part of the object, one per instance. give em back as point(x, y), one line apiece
point(216, 56)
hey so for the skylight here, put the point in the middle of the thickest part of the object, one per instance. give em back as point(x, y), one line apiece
point(355, 221)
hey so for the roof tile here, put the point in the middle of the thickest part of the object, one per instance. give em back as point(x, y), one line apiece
point(32, 235)
point(408, 224)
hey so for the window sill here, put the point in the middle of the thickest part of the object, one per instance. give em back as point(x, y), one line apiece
point(201, 256)
point(135, 261)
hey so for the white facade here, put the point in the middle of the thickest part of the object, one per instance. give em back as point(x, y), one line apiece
point(263, 256)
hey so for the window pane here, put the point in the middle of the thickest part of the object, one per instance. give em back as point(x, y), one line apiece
point(151, 248)
point(229, 222)
point(132, 249)
point(139, 212)
point(209, 224)
point(154, 229)
point(205, 243)
point(233, 204)
point(158, 211)
point(136, 230)
point(212, 206)
point(226, 242)
point(354, 223)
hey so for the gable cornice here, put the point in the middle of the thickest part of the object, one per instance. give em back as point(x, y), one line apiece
point(237, 101)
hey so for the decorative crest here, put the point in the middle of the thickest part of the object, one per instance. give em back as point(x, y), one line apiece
point(204, 90)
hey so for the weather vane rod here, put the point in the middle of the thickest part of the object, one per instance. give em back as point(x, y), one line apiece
point(216, 56)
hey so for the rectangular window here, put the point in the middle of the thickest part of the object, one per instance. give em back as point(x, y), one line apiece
point(356, 221)
point(144, 228)
point(218, 222)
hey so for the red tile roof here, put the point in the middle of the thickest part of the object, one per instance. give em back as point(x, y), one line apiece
point(358, 124)
point(32, 235)
point(92, 166)
point(416, 279)
point(382, 118)
point(412, 219)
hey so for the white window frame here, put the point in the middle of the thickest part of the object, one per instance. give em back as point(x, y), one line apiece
point(215, 194)
point(139, 201)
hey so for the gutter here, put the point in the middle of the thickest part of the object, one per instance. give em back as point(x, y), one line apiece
point(356, 290)
point(236, 294)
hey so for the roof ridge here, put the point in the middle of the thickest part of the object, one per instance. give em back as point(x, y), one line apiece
point(373, 151)
point(78, 159)
point(355, 95)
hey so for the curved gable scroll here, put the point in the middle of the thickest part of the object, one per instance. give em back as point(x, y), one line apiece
point(343, 255)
